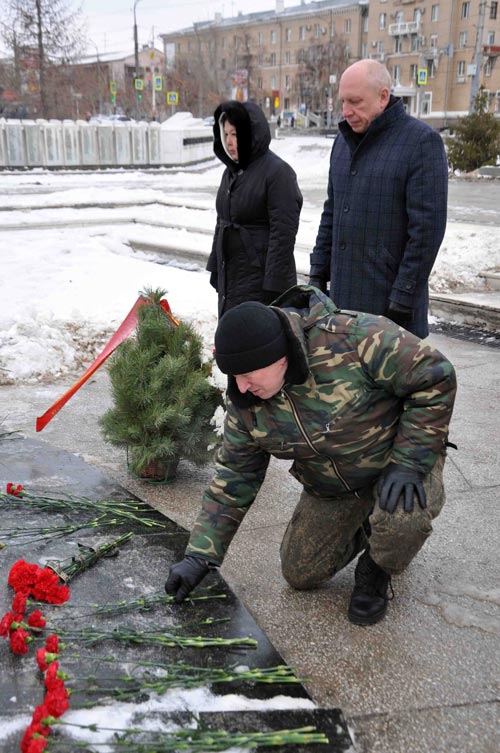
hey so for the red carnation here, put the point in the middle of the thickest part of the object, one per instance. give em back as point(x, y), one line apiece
point(47, 588)
point(22, 576)
point(52, 644)
point(40, 713)
point(6, 623)
point(37, 745)
point(37, 620)
point(56, 701)
point(34, 729)
point(44, 658)
point(14, 490)
point(19, 640)
point(19, 602)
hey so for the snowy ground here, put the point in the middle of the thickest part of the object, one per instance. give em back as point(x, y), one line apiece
point(70, 272)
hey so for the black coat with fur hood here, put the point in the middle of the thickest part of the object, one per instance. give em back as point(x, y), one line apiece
point(258, 209)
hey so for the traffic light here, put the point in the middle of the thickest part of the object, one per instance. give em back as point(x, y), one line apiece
point(113, 99)
point(139, 95)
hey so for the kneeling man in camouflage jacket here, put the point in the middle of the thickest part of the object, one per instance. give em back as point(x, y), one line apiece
point(362, 408)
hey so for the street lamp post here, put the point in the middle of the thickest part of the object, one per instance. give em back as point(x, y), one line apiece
point(136, 42)
point(98, 76)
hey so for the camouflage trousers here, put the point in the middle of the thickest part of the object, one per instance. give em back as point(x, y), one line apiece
point(325, 534)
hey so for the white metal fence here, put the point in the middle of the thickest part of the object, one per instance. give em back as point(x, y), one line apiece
point(180, 140)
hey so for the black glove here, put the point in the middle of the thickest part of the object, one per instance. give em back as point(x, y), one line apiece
point(396, 481)
point(318, 282)
point(185, 575)
point(399, 314)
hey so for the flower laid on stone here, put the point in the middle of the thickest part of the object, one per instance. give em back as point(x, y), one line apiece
point(195, 740)
point(15, 491)
point(87, 556)
point(39, 582)
point(126, 509)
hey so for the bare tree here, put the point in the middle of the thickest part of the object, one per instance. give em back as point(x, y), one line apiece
point(44, 36)
point(317, 63)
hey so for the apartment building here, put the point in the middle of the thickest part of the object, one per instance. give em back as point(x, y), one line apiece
point(439, 53)
point(283, 59)
point(452, 46)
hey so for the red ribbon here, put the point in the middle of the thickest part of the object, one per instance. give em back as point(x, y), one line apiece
point(123, 331)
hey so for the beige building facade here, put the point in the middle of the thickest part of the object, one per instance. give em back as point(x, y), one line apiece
point(439, 53)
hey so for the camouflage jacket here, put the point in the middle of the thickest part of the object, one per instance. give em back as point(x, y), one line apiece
point(360, 392)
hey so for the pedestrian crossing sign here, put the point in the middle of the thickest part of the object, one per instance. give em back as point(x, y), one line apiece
point(422, 76)
point(172, 98)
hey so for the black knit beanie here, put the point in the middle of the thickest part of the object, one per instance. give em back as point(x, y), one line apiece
point(249, 337)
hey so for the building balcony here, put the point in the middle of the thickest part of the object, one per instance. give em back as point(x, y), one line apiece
point(404, 28)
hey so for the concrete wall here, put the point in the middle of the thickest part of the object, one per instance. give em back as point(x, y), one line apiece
point(180, 140)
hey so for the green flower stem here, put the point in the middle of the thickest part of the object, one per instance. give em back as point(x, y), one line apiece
point(92, 635)
point(55, 532)
point(196, 740)
point(180, 676)
point(129, 509)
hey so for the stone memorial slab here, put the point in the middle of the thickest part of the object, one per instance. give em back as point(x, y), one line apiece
point(133, 660)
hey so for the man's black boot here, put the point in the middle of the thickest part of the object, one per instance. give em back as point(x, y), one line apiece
point(369, 597)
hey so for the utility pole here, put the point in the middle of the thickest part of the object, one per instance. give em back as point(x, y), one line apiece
point(478, 55)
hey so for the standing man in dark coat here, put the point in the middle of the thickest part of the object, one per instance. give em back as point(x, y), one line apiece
point(385, 215)
point(258, 209)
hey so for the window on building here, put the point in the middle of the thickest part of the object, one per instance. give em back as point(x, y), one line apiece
point(272, 58)
point(288, 57)
point(260, 38)
point(491, 37)
point(364, 50)
point(272, 82)
point(461, 71)
point(260, 59)
point(288, 82)
point(272, 36)
point(317, 31)
point(382, 20)
point(380, 47)
point(347, 26)
point(398, 44)
point(435, 13)
point(417, 15)
point(302, 32)
point(365, 23)
point(433, 41)
point(488, 67)
point(259, 82)
point(414, 42)
point(431, 68)
point(399, 17)
point(413, 72)
point(427, 103)
point(288, 35)
point(465, 10)
point(301, 56)
point(396, 74)
point(332, 28)
point(462, 40)
point(493, 9)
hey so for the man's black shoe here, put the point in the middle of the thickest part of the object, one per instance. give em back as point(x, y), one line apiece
point(369, 597)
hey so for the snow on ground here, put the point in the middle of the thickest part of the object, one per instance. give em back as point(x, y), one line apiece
point(70, 273)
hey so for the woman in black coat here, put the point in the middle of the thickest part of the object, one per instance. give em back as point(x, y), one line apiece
point(258, 209)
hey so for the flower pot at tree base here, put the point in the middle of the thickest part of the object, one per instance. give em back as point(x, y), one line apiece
point(160, 471)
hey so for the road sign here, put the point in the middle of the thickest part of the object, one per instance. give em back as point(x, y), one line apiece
point(139, 84)
point(158, 83)
point(422, 76)
point(112, 87)
point(172, 98)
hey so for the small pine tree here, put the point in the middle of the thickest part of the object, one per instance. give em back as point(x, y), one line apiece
point(163, 399)
point(477, 138)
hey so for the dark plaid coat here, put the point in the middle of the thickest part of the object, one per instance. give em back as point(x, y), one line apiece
point(258, 208)
point(385, 215)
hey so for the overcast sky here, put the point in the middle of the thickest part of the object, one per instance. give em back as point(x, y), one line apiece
point(110, 24)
